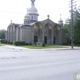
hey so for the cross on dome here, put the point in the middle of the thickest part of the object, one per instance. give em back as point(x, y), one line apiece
point(11, 20)
point(32, 2)
point(60, 16)
point(48, 16)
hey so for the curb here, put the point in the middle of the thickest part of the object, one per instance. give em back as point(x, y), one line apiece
point(56, 49)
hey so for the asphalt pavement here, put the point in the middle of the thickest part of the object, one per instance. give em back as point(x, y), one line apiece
point(18, 63)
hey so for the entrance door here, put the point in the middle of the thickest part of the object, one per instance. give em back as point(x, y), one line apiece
point(54, 40)
point(45, 39)
point(35, 39)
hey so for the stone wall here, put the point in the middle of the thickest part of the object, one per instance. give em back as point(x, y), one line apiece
point(26, 34)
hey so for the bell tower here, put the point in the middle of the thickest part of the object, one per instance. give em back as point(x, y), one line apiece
point(33, 12)
point(60, 22)
point(27, 19)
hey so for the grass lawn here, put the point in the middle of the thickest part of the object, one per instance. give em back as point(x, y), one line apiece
point(36, 47)
point(40, 47)
point(1, 44)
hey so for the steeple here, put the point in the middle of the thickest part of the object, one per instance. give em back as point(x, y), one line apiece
point(11, 21)
point(60, 22)
point(60, 16)
point(33, 12)
point(27, 19)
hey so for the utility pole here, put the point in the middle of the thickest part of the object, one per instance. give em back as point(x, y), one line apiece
point(72, 24)
point(72, 35)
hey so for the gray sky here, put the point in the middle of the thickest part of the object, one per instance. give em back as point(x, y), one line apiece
point(17, 9)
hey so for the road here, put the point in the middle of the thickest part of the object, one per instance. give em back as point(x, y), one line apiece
point(18, 64)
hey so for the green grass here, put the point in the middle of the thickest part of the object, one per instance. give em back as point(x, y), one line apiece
point(37, 47)
point(1, 44)
point(40, 47)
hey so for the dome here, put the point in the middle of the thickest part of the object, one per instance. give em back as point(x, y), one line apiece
point(32, 10)
point(60, 20)
point(27, 17)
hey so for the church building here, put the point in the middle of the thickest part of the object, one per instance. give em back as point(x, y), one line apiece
point(32, 30)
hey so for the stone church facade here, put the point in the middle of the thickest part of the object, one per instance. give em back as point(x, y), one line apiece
point(33, 31)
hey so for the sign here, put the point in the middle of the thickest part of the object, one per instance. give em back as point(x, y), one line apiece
point(39, 43)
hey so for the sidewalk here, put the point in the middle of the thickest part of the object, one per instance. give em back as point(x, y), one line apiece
point(21, 48)
point(15, 47)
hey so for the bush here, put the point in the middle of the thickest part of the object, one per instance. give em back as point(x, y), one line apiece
point(19, 43)
point(3, 41)
point(65, 43)
point(43, 44)
point(35, 43)
point(77, 43)
point(26, 43)
point(8, 42)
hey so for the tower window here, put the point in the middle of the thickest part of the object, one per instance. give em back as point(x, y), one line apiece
point(28, 22)
point(32, 17)
point(35, 17)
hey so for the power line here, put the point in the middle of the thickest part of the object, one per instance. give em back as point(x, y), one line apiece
point(24, 13)
point(11, 12)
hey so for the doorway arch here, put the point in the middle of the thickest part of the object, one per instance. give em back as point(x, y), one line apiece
point(48, 33)
point(35, 39)
point(56, 29)
point(45, 39)
point(38, 31)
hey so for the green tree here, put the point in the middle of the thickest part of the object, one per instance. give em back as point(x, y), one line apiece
point(77, 26)
point(67, 26)
point(67, 29)
point(2, 34)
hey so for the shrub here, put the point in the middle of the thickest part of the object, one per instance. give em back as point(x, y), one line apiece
point(35, 43)
point(43, 44)
point(65, 43)
point(27, 43)
point(3, 41)
point(19, 43)
point(8, 42)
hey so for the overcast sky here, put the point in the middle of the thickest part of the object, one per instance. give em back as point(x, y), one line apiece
point(15, 10)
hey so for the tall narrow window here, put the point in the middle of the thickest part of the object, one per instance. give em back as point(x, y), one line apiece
point(32, 17)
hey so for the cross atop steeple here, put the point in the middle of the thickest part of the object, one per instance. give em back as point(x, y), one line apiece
point(11, 20)
point(48, 16)
point(32, 1)
point(60, 16)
